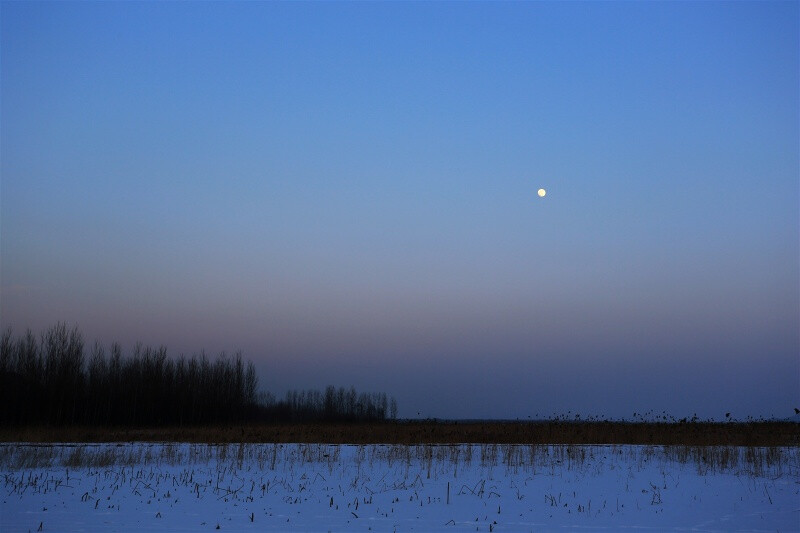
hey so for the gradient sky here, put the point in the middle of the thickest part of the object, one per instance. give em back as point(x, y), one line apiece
point(346, 192)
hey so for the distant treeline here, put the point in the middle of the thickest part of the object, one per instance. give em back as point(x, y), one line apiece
point(50, 380)
point(334, 405)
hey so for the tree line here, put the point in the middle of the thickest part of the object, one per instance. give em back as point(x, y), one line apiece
point(51, 379)
point(334, 405)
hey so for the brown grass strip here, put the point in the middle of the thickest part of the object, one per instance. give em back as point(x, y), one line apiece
point(555, 432)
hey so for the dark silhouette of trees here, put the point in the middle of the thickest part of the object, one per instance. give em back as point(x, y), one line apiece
point(49, 380)
point(334, 405)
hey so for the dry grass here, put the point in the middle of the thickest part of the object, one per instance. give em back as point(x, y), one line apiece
point(555, 432)
point(769, 462)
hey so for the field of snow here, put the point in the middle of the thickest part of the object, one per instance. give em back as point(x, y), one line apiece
point(313, 487)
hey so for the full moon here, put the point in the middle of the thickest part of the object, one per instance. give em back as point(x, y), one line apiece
point(542, 192)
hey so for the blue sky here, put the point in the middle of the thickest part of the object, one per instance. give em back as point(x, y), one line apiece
point(346, 192)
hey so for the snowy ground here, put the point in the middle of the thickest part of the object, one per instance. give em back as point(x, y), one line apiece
point(310, 487)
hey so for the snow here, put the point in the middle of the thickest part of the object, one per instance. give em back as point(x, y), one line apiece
point(311, 487)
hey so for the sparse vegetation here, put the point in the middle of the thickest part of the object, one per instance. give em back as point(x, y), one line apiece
point(311, 487)
point(758, 461)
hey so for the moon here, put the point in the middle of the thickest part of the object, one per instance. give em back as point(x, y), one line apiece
point(541, 193)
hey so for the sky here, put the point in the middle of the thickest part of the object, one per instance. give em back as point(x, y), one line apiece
point(346, 192)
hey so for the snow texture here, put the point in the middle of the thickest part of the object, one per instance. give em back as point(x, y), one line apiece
point(311, 487)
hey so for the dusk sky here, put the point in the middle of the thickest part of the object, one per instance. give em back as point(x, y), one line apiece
point(346, 192)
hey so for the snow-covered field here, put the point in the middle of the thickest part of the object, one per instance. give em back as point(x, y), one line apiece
point(312, 487)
